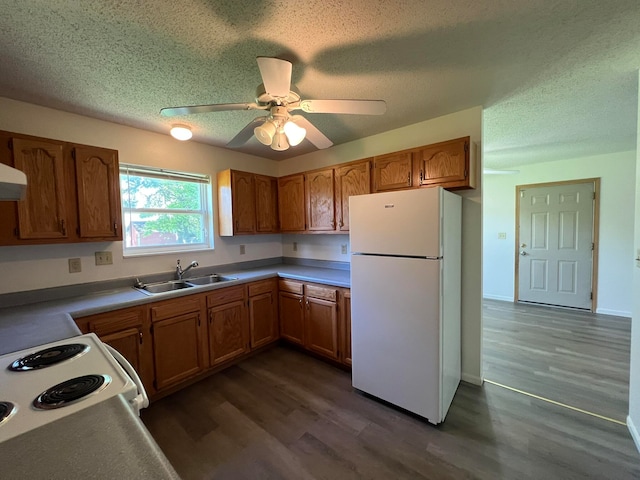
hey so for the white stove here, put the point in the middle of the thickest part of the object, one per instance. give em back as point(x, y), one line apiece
point(45, 383)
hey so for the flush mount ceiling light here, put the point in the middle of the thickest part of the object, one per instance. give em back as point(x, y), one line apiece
point(279, 130)
point(181, 132)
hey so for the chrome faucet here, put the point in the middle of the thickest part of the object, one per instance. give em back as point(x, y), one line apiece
point(180, 272)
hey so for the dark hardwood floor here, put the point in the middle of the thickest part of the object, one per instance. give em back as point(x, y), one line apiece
point(569, 356)
point(283, 414)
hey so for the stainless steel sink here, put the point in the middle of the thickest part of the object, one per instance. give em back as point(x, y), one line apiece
point(161, 287)
point(209, 279)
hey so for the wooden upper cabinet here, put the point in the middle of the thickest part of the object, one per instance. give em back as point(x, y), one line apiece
point(320, 200)
point(393, 171)
point(43, 212)
point(247, 203)
point(97, 181)
point(291, 204)
point(266, 204)
point(352, 179)
point(445, 164)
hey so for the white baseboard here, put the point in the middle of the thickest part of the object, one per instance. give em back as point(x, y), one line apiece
point(617, 313)
point(502, 298)
point(633, 431)
point(472, 379)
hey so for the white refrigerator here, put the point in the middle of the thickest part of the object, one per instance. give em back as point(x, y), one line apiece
point(405, 298)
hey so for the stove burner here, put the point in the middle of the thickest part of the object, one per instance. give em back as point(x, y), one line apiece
point(70, 391)
point(48, 356)
point(6, 410)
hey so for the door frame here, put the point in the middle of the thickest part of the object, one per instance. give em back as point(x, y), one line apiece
point(595, 234)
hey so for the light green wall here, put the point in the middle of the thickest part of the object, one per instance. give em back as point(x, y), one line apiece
point(616, 172)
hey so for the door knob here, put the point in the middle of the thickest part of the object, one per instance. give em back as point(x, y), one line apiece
point(523, 253)
point(522, 245)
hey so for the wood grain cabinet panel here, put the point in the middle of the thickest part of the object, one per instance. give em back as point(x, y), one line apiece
point(321, 327)
point(320, 200)
point(291, 317)
point(393, 171)
point(352, 179)
point(43, 212)
point(445, 164)
point(228, 332)
point(126, 330)
point(97, 181)
point(177, 339)
point(266, 204)
point(263, 312)
point(291, 203)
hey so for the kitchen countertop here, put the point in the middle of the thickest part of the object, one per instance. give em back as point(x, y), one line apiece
point(107, 435)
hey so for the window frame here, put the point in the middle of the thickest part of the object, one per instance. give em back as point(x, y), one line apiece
point(206, 210)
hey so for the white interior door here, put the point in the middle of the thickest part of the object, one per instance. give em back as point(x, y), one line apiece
point(556, 244)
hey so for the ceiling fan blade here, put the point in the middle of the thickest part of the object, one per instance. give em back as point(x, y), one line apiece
point(314, 135)
point(246, 133)
point(219, 107)
point(356, 107)
point(276, 75)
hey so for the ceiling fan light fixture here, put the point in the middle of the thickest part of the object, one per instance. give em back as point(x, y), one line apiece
point(181, 132)
point(280, 142)
point(265, 132)
point(295, 133)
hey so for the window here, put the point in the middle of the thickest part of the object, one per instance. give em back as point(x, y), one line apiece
point(164, 211)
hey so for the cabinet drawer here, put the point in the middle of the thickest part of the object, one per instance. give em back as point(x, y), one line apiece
point(175, 308)
point(321, 292)
point(261, 287)
point(292, 286)
point(115, 321)
point(225, 295)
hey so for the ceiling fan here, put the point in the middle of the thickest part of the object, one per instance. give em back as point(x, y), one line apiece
point(277, 96)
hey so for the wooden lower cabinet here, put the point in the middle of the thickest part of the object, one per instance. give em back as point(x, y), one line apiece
point(311, 316)
point(127, 331)
point(228, 324)
point(263, 312)
point(177, 340)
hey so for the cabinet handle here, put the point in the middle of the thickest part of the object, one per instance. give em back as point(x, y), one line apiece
point(307, 304)
point(340, 224)
point(333, 224)
point(409, 179)
point(115, 228)
point(421, 176)
point(198, 320)
point(140, 335)
point(63, 227)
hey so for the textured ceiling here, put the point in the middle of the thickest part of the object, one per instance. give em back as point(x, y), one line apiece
point(557, 78)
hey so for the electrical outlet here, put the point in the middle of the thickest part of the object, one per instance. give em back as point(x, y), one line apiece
point(104, 258)
point(295, 246)
point(502, 235)
point(343, 248)
point(75, 266)
point(242, 250)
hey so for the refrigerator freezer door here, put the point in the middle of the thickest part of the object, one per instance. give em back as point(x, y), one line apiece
point(403, 223)
point(395, 318)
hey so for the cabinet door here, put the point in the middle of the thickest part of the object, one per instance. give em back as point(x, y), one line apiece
point(176, 346)
point(266, 204)
point(321, 327)
point(354, 179)
point(244, 203)
point(320, 201)
point(291, 317)
point(263, 312)
point(392, 172)
point(291, 203)
point(228, 332)
point(98, 184)
point(445, 164)
point(346, 329)
point(43, 212)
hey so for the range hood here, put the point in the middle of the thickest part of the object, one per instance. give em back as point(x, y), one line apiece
point(13, 183)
